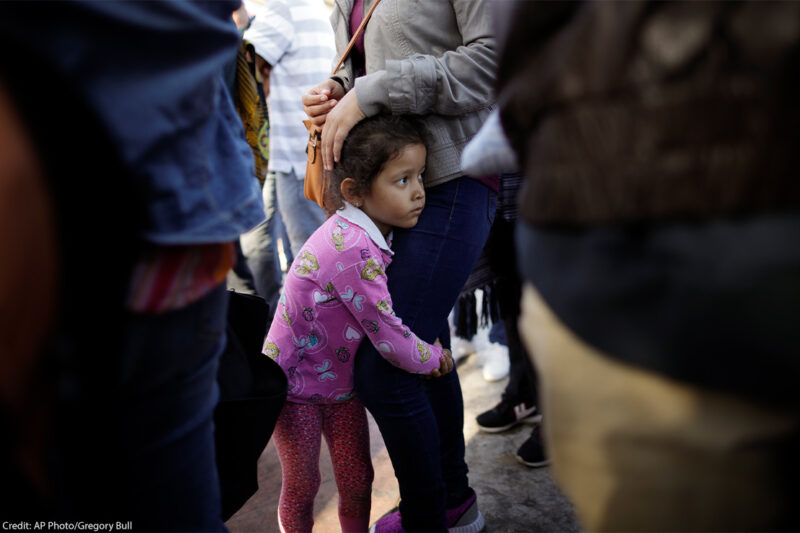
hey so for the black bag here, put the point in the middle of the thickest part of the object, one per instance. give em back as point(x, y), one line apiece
point(252, 392)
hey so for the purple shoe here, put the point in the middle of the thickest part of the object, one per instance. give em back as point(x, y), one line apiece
point(391, 522)
point(466, 518)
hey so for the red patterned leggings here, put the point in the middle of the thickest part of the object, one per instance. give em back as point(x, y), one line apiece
point(298, 436)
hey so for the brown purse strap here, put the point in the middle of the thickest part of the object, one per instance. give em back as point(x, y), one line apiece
point(355, 36)
point(313, 131)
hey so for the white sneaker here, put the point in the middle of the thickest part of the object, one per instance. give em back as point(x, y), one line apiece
point(461, 348)
point(496, 362)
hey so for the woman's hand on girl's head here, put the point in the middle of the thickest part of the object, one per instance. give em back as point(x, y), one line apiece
point(446, 364)
point(338, 123)
point(318, 102)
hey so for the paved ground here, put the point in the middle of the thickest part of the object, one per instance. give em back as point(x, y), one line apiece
point(512, 497)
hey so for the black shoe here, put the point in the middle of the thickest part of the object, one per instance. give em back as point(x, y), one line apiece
point(531, 453)
point(506, 415)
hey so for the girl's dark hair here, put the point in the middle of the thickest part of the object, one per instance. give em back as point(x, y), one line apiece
point(371, 144)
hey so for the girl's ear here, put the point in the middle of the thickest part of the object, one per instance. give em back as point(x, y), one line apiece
point(350, 192)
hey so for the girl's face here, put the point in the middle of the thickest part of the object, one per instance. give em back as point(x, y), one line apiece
point(396, 196)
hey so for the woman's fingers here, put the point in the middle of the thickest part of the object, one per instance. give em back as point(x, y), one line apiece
point(338, 123)
point(318, 113)
point(338, 140)
point(318, 102)
point(314, 103)
point(320, 99)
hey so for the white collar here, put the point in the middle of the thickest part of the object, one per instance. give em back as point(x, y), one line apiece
point(360, 218)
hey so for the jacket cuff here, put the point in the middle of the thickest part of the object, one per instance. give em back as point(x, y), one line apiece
point(371, 93)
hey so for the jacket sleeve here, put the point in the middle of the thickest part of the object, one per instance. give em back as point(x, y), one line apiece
point(452, 83)
point(363, 291)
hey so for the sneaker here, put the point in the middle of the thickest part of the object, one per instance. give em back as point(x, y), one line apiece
point(505, 415)
point(461, 348)
point(391, 522)
point(466, 518)
point(496, 363)
point(531, 453)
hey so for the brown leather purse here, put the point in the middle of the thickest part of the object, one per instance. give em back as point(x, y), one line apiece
point(316, 182)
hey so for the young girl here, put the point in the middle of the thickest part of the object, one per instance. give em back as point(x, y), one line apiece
point(334, 296)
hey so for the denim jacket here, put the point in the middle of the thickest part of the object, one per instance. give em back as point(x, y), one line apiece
point(152, 73)
point(436, 59)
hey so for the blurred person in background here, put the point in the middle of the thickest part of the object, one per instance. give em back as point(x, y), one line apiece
point(490, 153)
point(140, 183)
point(294, 47)
point(657, 239)
point(519, 402)
point(257, 269)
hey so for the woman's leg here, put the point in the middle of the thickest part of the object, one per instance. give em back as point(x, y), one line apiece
point(347, 432)
point(421, 421)
point(298, 435)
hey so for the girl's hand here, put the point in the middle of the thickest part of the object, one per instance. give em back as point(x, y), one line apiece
point(318, 102)
point(338, 123)
point(446, 364)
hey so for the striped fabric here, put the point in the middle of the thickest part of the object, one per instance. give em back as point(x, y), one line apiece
point(171, 277)
point(507, 198)
point(295, 37)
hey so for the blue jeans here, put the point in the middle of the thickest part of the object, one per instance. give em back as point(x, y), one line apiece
point(497, 333)
point(259, 247)
point(168, 395)
point(300, 215)
point(422, 420)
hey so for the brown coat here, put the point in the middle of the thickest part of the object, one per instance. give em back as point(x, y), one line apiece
point(625, 111)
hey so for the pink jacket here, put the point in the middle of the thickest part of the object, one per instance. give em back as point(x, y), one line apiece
point(334, 295)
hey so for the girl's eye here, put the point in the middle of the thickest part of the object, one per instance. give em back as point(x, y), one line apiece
point(403, 180)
